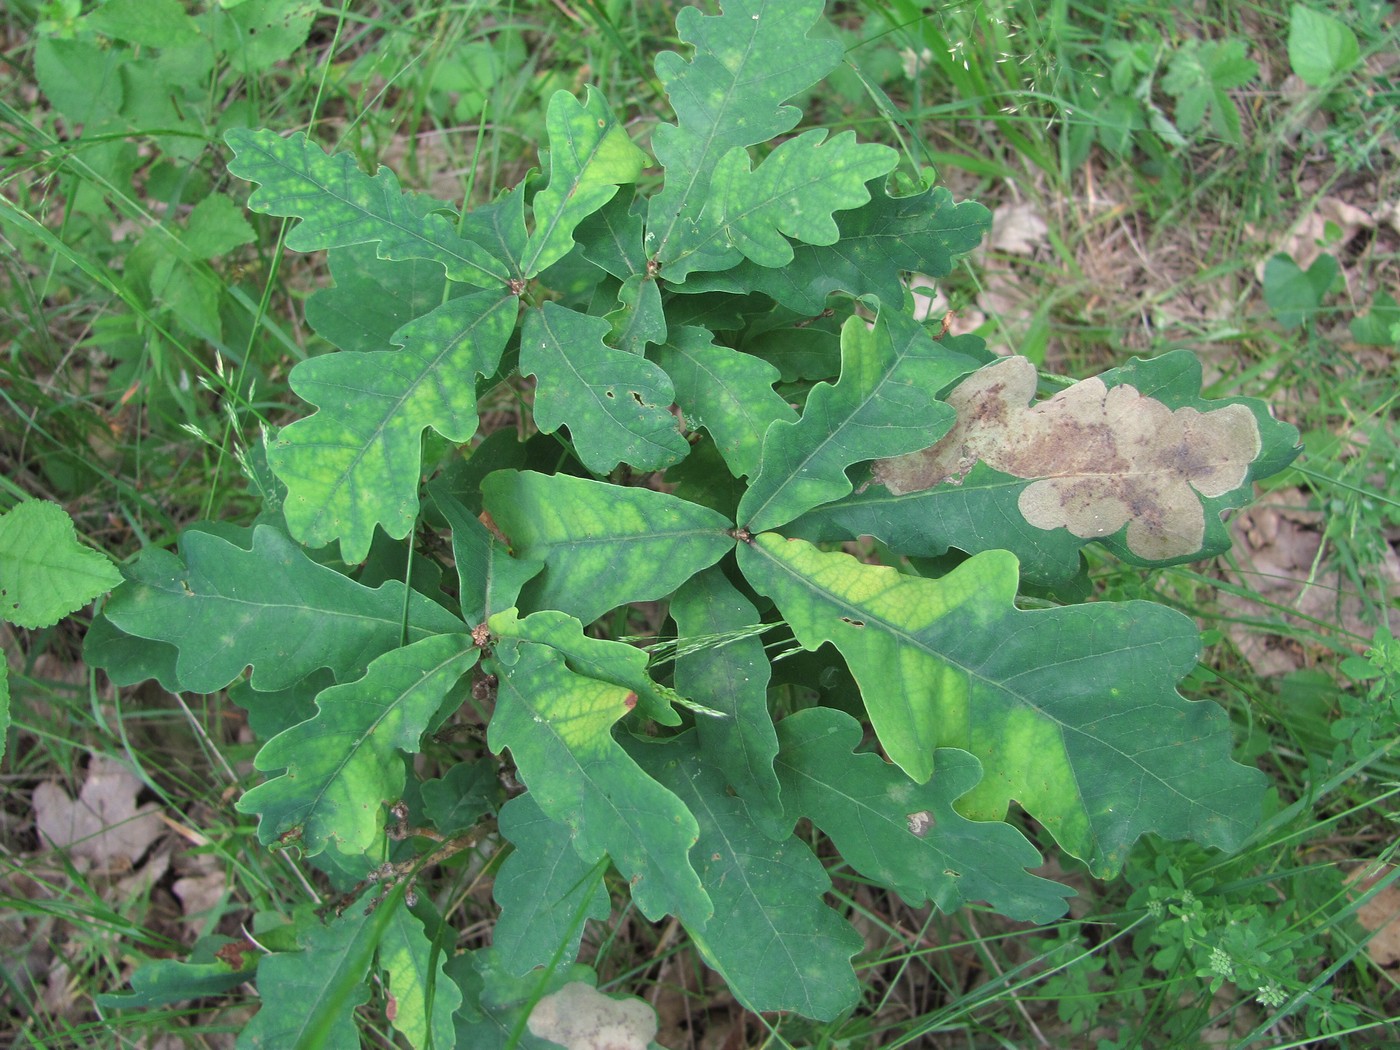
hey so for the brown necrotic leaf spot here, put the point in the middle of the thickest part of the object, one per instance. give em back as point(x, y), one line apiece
point(1098, 457)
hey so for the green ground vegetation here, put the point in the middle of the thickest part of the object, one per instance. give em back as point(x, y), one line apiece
point(1224, 178)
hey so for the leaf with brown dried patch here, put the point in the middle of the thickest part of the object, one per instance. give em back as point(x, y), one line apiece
point(1134, 458)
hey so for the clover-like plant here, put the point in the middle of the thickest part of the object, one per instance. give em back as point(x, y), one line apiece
point(708, 388)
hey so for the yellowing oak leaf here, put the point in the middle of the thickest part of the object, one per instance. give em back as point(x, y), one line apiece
point(1099, 457)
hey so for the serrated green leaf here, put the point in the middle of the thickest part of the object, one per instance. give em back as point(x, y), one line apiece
point(216, 226)
point(1199, 76)
point(343, 765)
point(544, 889)
point(355, 464)
point(728, 393)
point(730, 676)
point(372, 298)
point(458, 800)
point(489, 579)
point(81, 80)
point(923, 233)
point(1320, 46)
point(598, 658)
point(225, 608)
point(424, 997)
point(1135, 459)
point(773, 939)
point(45, 573)
point(1071, 711)
point(748, 61)
point(794, 192)
point(603, 545)
point(885, 403)
point(558, 725)
point(338, 205)
point(256, 34)
point(149, 23)
point(615, 404)
point(904, 835)
point(309, 996)
point(590, 156)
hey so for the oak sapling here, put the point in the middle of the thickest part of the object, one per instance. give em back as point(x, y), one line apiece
point(722, 387)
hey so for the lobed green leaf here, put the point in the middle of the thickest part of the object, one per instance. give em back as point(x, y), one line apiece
point(1071, 711)
point(225, 608)
point(602, 545)
point(558, 725)
point(338, 204)
point(355, 464)
point(343, 765)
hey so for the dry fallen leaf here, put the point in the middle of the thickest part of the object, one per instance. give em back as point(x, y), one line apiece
point(104, 825)
point(579, 1017)
point(1018, 229)
point(1381, 915)
point(1101, 458)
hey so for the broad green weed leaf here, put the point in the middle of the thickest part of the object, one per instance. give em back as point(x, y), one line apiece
point(599, 658)
point(45, 573)
point(923, 233)
point(558, 726)
point(309, 996)
point(1135, 459)
point(615, 404)
point(343, 765)
point(1072, 711)
point(1320, 46)
point(885, 403)
point(748, 60)
point(424, 997)
point(590, 156)
point(603, 545)
point(793, 193)
point(149, 23)
point(338, 205)
point(372, 298)
point(773, 938)
point(489, 579)
point(355, 464)
point(216, 227)
point(729, 675)
point(225, 608)
point(728, 393)
point(80, 79)
point(545, 890)
point(905, 835)
point(257, 34)
point(1295, 295)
